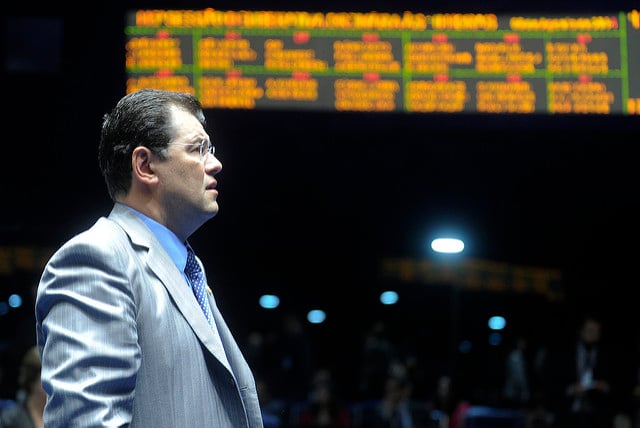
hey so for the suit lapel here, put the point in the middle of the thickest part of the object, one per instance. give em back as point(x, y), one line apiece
point(150, 250)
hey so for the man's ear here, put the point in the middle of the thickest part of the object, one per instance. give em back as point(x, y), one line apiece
point(141, 165)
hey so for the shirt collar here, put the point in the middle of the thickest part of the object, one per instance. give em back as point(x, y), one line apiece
point(176, 249)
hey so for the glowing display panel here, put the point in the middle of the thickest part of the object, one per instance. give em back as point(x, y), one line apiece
point(384, 62)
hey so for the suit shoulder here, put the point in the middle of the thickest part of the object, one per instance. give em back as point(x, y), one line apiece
point(105, 236)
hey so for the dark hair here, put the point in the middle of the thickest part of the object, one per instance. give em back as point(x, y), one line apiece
point(141, 118)
point(30, 367)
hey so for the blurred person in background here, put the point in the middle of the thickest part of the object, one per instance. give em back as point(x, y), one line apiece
point(582, 374)
point(397, 407)
point(378, 352)
point(294, 353)
point(516, 390)
point(29, 407)
point(324, 407)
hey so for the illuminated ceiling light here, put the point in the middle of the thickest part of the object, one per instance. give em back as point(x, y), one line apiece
point(389, 298)
point(15, 301)
point(269, 301)
point(497, 323)
point(316, 316)
point(447, 245)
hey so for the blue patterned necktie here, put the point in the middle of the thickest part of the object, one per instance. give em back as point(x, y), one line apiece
point(196, 276)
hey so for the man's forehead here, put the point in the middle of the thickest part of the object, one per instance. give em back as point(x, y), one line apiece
point(186, 125)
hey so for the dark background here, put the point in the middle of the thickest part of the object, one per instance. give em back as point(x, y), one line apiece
point(311, 202)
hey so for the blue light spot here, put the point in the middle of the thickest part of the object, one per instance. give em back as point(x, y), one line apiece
point(389, 298)
point(495, 339)
point(316, 316)
point(269, 301)
point(15, 301)
point(497, 323)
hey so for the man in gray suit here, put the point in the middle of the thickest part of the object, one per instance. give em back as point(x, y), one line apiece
point(122, 337)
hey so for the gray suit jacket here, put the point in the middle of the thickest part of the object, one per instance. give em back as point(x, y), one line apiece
point(124, 342)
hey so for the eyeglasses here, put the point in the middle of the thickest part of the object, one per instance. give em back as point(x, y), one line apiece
point(204, 148)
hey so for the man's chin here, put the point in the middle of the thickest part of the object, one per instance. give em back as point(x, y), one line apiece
point(212, 210)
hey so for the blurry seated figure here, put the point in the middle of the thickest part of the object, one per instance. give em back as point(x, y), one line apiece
point(323, 409)
point(396, 409)
point(29, 407)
